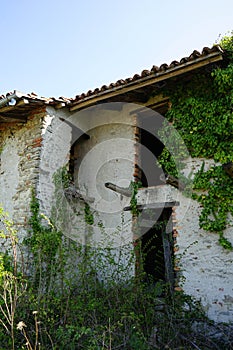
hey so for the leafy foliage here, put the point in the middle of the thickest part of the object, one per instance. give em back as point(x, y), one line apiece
point(89, 217)
point(203, 115)
point(87, 306)
point(44, 239)
point(134, 186)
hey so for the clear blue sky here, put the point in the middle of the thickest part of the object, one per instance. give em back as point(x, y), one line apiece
point(66, 47)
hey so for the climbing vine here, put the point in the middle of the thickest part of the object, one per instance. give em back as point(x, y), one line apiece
point(134, 186)
point(89, 217)
point(202, 112)
point(44, 240)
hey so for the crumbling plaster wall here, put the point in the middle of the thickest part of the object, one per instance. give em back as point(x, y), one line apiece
point(206, 268)
point(55, 153)
point(19, 166)
point(108, 155)
point(31, 153)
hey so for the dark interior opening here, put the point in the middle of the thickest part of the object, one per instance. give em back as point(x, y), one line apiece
point(157, 248)
point(151, 149)
point(157, 241)
point(79, 140)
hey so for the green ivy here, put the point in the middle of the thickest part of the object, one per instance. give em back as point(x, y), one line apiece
point(202, 112)
point(44, 239)
point(134, 186)
point(216, 197)
point(89, 217)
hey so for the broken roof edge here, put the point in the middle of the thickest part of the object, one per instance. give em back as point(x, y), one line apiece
point(156, 74)
point(11, 99)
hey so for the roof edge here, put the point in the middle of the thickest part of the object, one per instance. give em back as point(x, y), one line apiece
point(145, 80)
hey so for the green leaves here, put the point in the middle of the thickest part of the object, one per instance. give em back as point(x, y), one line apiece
point(134, 186)
point(216, 197)
point(202, 112)
point(45, 239)
point(89, 217)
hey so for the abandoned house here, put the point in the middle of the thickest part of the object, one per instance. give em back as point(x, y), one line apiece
point(107, 140)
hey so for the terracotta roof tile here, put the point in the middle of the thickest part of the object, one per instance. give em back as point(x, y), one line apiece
point(11, 104)
point(184, 60)
point(154, 70)
point(34, 97)
point(145, 74)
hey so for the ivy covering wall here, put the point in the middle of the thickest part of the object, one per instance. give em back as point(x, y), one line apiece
point(202, 112)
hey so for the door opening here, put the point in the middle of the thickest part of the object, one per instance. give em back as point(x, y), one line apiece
point(157, 248)
point(157, 241)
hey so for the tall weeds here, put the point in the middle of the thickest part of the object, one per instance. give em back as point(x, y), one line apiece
point(80, 297)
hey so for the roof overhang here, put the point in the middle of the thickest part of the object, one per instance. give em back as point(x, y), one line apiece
point(16, 106)
point(150, 80)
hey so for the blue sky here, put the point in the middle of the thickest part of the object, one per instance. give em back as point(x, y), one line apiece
point(66, 47)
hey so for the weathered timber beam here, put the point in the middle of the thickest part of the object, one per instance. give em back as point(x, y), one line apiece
point(156, 197)
point(122, 190)
point(12, 118)
point(158, 205)
point(11, 107)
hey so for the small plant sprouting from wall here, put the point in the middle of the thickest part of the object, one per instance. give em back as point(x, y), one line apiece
point(89, 217)
point(134, 186)
point(202, 113)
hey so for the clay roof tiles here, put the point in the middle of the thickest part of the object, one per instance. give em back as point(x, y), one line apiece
point(154, 70)
point(145, 74)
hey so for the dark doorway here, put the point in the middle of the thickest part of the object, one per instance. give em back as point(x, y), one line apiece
point(157, 248)
point(156, 241)
point(151, 149)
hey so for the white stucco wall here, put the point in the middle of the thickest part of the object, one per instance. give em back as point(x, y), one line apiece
point(206, 271)
point(107, 156)
point(55, 153)
point(206, 267)
point(33, 152)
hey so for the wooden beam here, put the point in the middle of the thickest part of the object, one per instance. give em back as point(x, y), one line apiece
point(154, 197)
point(9, 119)
point(121, 190)
point(18, 104)
point(159, 205)
point(149, 80)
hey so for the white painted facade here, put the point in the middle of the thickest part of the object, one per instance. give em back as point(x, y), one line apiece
point(206, 267)
point(33, 152)
point(108, 155)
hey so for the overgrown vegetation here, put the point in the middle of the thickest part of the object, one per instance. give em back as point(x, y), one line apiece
point(202, 113)
point(71, 297)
